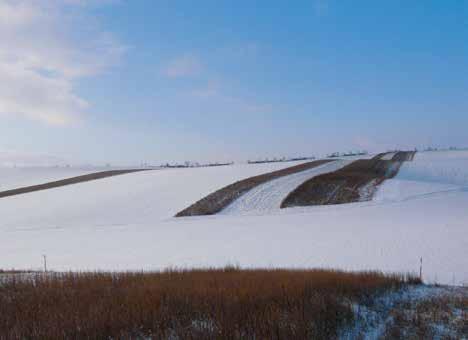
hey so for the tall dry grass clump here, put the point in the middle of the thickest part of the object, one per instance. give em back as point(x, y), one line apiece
point(192, 304)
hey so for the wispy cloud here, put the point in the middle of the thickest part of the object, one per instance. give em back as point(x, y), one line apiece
point(209, 93)
point(41, 57)
point(184, 66)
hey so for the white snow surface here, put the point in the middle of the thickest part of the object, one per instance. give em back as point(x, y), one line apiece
point(431, 173)
point(13, 178)
point(268, 196)
point(125, 223)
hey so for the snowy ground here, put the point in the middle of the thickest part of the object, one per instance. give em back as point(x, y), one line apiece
point(431, 173)
point(125, 223)
point(399, 310)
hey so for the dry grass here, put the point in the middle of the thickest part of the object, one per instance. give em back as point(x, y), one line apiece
point(14, 271)
point(196, 304)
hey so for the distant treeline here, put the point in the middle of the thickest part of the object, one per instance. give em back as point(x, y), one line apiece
point(276, 160)
point(347, 154)
point(451, 148)
point(194, 165)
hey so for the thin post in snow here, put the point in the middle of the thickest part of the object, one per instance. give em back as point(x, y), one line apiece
point(45, 262)
point(420, 268)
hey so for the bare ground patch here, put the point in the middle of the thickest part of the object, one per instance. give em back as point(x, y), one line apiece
point(218, 200)
point(380, 155)
point(404, 156)
point(353, 183)
point(67, 181)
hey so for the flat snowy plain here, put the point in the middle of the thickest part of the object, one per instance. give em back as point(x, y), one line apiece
point(125, 223)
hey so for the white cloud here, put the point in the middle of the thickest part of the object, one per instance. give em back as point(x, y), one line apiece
point(14, 16)
point(43, 50)
point(184, 66)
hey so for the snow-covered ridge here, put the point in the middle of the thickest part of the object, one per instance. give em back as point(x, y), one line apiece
point(438, 167)
point(429, 173)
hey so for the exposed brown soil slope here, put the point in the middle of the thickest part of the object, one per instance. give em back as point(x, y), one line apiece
point(347, 184)
point(404, 156)
point(218, 200)
point(68, 181)
point(401, 156)
point(380, 155)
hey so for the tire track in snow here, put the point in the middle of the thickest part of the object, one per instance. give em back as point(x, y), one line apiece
point(268, 196)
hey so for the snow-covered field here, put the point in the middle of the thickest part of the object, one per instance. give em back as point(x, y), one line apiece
point(13, 178)
point(125, 223)
point(144, 197)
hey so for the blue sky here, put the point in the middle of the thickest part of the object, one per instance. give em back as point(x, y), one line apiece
point(149, 80)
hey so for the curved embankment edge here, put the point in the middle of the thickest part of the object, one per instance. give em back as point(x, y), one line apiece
point(67, 181)
point(268, 196)
point(355, 182)
point(218, 200)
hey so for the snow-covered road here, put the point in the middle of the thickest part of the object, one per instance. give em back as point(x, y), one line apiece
point(268, 196)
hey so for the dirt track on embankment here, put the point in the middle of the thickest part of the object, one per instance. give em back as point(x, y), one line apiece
point(353, 183)
point(218, 200)
point(67, 181)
